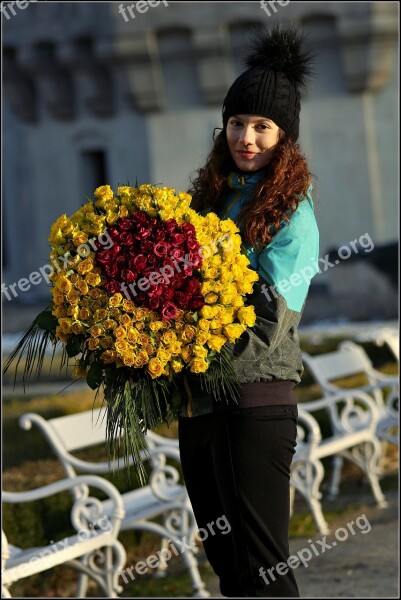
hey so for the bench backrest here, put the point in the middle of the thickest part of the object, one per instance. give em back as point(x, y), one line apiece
point(81, 430)
point(346, 361)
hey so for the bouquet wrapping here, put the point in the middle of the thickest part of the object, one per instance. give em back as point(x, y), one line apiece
point(144, 289)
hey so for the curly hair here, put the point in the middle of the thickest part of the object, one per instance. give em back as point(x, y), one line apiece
point(274, 198)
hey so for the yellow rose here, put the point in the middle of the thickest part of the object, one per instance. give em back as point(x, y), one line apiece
point(189, 333)
point(199, 351)
point(109, 356)
point(169, 337)
point(78, 327)
point(109, 324)
point(72, 311)
point(122, 346)
point(128, 306)
point(79, 238)
point(125, 319)
point(211, 298)
point(216, 342)
point(198, 365)
point(93, 343)
point(246, 316)
point(63, 284)
point(203, 324)
point(82, 287)
point(163, 354)
point(202, 337)
point(175, 348)
point(96, 331)
point(155, 326)
point(120, 332)
point(93, 279)
point(141, 359)
point(85, 266)
point(206, 312)
point(104, 192)
point(107, 342)
point(155, 367)
point(186, 353)
point(115, 300)
point(66, 325)
point(100, 315)
point(59, 312)
point(73, 297)
point(132, 334)
point(233, 331)
point(177, 365)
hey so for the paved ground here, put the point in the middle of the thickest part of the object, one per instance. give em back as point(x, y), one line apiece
point(362, 566)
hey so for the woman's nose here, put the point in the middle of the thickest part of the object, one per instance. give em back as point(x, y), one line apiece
point(247, 135)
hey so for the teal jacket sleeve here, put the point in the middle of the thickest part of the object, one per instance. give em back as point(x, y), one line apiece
point(290, 261)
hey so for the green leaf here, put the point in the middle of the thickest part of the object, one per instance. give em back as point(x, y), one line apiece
point(195, 317)
point(73, 346)
point(46, 321)
point(94, 377)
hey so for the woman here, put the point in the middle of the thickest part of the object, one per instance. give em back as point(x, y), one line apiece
point(236, 458)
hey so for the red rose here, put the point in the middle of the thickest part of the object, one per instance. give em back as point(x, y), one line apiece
point(154, 302)
point(169, 311)
point(128, 276)
point(125, 224)
point(104, 257)
point(140, 262)
point(126, 238)
point(113, 232)
point(170, 225)
point(160, 249)
point(188, 229)
point(112, 287)
point(178, 253)
point(143, 233)
point(177, 239)
point(192, 286)
point(139, 217)
point(192, 244)
point(168, 293)
point(195, 259)
point(182, 299)
point(121, 261)
point(187, 270)
point(196, 302)
point(116, 249)
point(111, 269)
point(146, 247)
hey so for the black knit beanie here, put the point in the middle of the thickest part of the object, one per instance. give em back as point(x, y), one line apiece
point(278, 67)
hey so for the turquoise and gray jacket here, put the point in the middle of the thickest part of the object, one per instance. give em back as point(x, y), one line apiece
point(269, 351)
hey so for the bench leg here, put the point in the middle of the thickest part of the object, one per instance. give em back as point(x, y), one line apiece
point(198, 586)
point(306, 477)
point(335, 477)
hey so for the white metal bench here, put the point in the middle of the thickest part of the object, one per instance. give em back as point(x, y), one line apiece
point(93, 551)
point(353, 418)
point(163, 496)
point(348, 360)
point(383, 336)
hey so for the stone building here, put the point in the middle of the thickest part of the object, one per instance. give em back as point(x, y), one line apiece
point(101, 92)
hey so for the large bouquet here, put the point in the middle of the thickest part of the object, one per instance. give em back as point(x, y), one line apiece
point(144, 288)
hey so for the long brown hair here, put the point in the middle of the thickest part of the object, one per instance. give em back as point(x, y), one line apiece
point(274, 199)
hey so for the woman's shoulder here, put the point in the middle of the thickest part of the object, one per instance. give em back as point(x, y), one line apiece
point(303, 218)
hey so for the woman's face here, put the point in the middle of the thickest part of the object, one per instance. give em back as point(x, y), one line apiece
point(251, 141)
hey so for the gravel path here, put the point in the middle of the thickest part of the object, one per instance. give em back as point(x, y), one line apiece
point(365, 565)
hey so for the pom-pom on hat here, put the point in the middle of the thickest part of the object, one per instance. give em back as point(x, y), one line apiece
point(278, 69)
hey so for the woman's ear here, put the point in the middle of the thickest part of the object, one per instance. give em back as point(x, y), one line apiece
point(214, 132)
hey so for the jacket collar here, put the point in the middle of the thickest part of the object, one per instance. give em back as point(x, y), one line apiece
point(242, 181)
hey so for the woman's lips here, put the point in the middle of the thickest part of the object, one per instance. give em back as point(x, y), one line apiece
point(245, 154)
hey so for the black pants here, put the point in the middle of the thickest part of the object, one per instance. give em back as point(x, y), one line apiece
point(236, 465)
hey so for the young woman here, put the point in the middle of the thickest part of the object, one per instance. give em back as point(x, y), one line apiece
point(236, 457)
